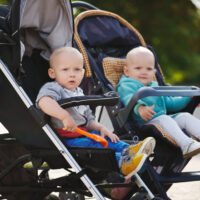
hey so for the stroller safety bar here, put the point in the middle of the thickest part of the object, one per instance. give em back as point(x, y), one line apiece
point(108, 99)
point(123, 114)
point(53, 137)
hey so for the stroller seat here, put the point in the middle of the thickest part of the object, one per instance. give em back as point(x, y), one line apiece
point(113, 70)
point(29, 131)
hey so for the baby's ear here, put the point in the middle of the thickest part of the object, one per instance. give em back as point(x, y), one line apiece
point(125, 68)
point(51, 73)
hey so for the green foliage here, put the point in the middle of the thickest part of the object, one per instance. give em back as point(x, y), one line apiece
point(3, 2)
point(171, 27)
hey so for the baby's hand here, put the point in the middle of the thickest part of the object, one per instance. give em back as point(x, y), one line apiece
point(69, 124)
point(105, 132)
point(146, 112)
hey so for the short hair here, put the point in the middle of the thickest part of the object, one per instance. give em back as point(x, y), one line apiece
point(70, 50)
point(139, 49)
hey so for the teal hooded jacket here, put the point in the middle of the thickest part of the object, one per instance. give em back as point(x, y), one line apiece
point(127, 87)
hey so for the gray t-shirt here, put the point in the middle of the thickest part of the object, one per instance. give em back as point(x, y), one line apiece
point(81, 114)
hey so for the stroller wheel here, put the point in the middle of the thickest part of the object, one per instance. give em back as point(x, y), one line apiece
point(70, 196)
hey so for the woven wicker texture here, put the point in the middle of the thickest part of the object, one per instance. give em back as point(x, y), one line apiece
point(113, 69)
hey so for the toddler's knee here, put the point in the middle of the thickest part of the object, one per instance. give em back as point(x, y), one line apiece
point(185, 115)
point(164, 117)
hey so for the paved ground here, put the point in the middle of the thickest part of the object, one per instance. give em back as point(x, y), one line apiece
point(189, 190)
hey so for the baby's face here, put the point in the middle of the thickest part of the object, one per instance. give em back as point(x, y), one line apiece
point(68, 70)
point(141, 68)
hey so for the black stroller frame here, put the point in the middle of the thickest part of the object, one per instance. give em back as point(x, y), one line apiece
point(32, 131)
point(120, 116)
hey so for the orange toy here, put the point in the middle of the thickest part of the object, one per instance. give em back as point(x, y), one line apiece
point(94, 137)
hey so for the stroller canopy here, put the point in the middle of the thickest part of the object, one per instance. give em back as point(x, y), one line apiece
point(100, 34)
point(44, 25)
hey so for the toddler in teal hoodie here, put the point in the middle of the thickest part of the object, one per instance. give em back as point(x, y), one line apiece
point(139, 71)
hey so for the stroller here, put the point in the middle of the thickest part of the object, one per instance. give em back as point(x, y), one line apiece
point(104, 38)
point(27, 37)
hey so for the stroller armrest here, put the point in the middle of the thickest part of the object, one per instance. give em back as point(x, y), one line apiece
point(155, 91)
point(108, 99)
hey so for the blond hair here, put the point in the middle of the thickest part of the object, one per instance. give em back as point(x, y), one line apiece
point(133, 53)
point(139, 50)
point(67, 50)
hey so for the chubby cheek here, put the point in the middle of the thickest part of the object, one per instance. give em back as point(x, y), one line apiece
point(61, 79)
point(80, 77)
point(132, 75)
point(152, 77)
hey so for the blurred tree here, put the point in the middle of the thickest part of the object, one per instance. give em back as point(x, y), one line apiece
point(3, 2)
point(171, 27)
